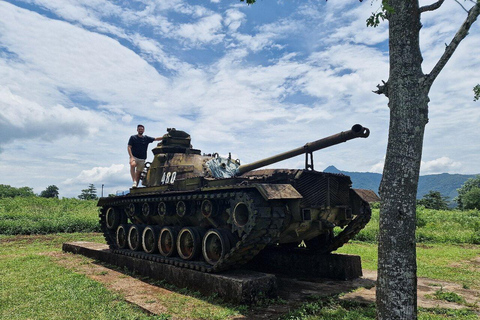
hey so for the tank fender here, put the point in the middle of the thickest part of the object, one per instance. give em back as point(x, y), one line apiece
point(366, 195)
point(277, 191)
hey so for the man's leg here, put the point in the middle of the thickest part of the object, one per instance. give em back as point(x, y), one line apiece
point(133, 165)
point(137, 179)
point(139, 169)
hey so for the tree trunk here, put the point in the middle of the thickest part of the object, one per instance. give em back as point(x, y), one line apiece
point(408, 103)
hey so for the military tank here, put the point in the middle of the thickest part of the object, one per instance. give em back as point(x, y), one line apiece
point(211, 213)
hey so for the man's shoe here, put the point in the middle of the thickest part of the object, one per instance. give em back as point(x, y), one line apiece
point(134, 185)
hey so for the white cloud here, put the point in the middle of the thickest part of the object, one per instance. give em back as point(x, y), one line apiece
point(98, 174)
point(206, 30)
point(233, 19)
point(378, 167)
point(24, 119)
point(75, 61)
point(440, 165)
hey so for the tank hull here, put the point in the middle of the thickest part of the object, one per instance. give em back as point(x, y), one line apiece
point(216, 224)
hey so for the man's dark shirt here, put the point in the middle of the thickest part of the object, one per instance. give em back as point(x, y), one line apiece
point(140, 145)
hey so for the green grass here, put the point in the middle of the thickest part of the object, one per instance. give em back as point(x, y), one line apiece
point(36, 215)
point(448, 296)
point(334, 309)
point(34, 286)
point(434, 261)
point(52, 291)
point(434, 226)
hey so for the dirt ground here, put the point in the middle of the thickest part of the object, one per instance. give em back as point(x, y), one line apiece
point(293, 291)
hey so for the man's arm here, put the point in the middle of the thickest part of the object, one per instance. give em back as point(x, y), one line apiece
point(158, 139)
point(129, 149)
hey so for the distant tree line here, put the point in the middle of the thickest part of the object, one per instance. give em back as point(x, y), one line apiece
point(468, 197)
point(51, 191)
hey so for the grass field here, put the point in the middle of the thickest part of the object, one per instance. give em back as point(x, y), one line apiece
point(435, 226)
point(34, 286)
point(36, 215)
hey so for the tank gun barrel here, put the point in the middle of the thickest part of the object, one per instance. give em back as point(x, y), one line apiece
point(357, 131)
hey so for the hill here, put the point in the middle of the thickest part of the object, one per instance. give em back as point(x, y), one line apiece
point(447, 184)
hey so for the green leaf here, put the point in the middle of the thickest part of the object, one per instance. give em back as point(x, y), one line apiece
point(476, 91)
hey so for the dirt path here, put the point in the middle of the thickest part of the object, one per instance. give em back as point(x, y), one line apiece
point(293, 291)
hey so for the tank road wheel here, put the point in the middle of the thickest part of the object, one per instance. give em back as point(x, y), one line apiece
point(189, 243)
point(162, 209)
point(215, 245)
point(130, 210)
point(135, 237)
point(167, 241)
point(208, 208)
point(113, 218)
point(182, 209)
point(147, 209)
point(150, 239)
point(122, 236)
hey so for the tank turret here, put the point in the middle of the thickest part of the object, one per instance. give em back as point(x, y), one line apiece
point(211, 213)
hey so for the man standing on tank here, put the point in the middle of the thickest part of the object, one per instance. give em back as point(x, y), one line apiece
point(137, 150)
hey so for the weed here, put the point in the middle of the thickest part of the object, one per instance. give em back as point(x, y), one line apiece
point(448, 296)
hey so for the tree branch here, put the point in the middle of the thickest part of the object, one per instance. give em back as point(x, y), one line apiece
point(432, 7)
point(450, 49)
point(461, 5)
point(382, 89)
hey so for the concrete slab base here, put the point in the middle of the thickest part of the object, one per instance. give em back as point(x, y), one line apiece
point(300, 262)
point(238, 286)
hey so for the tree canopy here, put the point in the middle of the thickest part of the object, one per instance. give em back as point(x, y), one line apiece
point(434, 200)
point(7, 191)
point(89, 194)
point(50, 192)
point(469, 194)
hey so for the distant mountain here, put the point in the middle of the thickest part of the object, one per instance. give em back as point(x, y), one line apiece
point(447, 184)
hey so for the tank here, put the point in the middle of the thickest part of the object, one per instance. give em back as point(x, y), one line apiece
point(211, 213)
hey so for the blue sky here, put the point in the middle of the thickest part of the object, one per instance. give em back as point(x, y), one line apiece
point(76, 77)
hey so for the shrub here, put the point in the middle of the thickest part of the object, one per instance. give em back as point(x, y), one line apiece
point(36, 215)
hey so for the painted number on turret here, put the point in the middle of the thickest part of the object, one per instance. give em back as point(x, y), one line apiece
point(168, 177)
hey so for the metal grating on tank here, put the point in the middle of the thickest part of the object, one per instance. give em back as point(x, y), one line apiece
point(314, 187)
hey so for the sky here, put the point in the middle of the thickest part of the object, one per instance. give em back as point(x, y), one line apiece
point(77, 76)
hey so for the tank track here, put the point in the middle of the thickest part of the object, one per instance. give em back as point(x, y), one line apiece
point(264, 227)
point(351, 230)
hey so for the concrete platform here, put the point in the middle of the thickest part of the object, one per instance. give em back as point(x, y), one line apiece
point(299, 262)
point(238, 286)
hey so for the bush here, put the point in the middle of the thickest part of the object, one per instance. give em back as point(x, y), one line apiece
point(36, 215)
point(434, 226)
